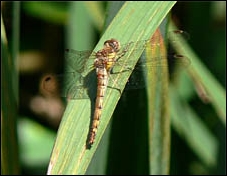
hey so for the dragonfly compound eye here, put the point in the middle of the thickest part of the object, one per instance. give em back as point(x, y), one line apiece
point(114, 44)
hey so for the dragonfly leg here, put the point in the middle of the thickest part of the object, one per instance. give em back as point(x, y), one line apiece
point(123, 52)
point(119, 90)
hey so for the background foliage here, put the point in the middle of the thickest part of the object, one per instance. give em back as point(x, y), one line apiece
point(44, 34)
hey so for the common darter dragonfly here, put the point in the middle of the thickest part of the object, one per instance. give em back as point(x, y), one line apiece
point(80, 63)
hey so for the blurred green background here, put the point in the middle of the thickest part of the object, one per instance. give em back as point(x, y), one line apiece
point(44, 33)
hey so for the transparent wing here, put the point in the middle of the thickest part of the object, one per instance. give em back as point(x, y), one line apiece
point(77, 88)
point(154, 61)
point(75, 85)
point(137, 79)
point(76, 60)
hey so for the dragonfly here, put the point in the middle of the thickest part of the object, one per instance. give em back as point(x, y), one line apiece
point(80, 63)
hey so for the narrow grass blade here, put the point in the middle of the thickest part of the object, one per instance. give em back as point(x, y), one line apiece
point(202, 77)
point(9, 99)
point(184, 119)
point(134, 22)
point(193, 130)
point(158, 108)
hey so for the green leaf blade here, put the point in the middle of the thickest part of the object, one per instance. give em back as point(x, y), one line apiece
point(135, 21)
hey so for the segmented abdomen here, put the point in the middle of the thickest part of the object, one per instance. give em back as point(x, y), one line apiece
point(102, 81)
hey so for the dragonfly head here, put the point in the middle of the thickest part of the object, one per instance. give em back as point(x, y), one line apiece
point(113, 43)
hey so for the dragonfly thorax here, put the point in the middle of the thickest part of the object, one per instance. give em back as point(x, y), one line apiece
point(100, 62)
point(105, 58)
